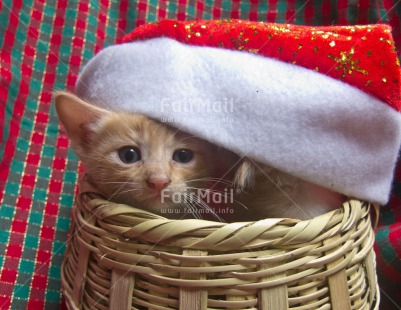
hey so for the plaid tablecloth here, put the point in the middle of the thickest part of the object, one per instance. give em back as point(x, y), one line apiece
point(43, 45)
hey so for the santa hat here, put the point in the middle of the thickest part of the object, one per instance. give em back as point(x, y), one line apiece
point(321, 103)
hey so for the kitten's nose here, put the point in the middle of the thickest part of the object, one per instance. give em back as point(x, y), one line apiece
point(158, 183)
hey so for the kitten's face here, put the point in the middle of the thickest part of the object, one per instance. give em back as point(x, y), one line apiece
point(133, 159)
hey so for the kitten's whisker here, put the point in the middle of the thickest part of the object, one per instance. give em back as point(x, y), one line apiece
point(214, 191)
point(212, 178)
point(222, 194)
point(123, 183)
point(192, 204)
point(127, 182)
point(215, 180)
point(128, 191)
point(188, 205)
point(205, 206)
point(195, 210)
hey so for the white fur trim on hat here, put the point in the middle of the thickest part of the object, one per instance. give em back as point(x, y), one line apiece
point(294, 119)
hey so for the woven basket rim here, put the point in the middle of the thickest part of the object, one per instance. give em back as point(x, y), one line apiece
point(131, 222)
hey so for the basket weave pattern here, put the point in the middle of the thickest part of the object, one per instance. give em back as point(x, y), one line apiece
point(120, 257)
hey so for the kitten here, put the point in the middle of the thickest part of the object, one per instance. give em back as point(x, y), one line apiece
point(138, 161)
point(135, 160)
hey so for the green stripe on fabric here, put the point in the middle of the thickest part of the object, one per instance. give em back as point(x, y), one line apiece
point(4, 236)
point(39, 66)
point(172, 7)
point(71, 12)
point(226, 5)
point(12, 187)
point(31, 241)
point(52, 295)
point(47, 151)
point(63, 224)
point(27, 123)
point(111, 27)
point(7, 212)
point(22, 145)
point(281, 9)
point(4, 18)
point(299, 17)
point(372, 14)
point(352, 14)
point(39, 194)
point(383, 16)
point(318, 12)
point(21, 291)
point(386, 216)
point(207, 14)
point(191, 11)
point(66, 47)
point(262, 9)
point(49, 10)
point(58, 247)
point(26, 266)
point(244, 8)
point(54, 271)
point(67, 200)
point(51, 130)
point(36, 218)
point(131, 16)
point(44, 172)
point(152, 14)
point(17, 166)
point(92, 20)
point(386, 250)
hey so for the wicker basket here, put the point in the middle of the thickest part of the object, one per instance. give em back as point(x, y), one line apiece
point(120, 257)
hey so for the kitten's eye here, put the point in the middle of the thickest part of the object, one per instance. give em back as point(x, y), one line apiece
point(183, 156)
point(129, 154)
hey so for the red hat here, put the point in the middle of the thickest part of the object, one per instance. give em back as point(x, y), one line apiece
point(321, 103)
point(362, 56)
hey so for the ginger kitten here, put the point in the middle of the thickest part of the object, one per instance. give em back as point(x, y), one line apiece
point(138, 161)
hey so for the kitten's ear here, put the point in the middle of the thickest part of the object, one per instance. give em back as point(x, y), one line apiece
point(244, 175)
point(79, 118)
